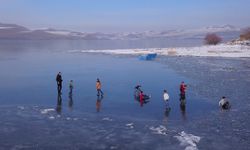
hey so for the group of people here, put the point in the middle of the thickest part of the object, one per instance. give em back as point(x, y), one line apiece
point(166, 97)
point(223, 103)
point(143, 98)
point(59, 81)
point(139, 95)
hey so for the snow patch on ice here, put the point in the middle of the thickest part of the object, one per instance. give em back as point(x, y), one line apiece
point(107, 119)
point(159, 130)
point(189, 141)
point(45, 111)
point(222, 50)
point(113, 147)
point(20, 107)
point(51, 117)
point(130, 125)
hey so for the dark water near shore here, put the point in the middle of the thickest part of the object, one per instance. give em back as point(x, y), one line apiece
point(32, 118)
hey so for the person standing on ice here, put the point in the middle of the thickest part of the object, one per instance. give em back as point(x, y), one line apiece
point(166, 98)
point(59, 82)
point(71, 86)
point(183, 87)
point(98, 87)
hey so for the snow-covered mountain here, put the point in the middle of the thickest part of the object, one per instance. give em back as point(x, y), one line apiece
point(12, 31)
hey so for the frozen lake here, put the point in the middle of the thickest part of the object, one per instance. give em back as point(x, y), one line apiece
point(32, 118)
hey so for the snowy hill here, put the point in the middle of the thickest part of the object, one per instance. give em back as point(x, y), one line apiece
point(12, 31)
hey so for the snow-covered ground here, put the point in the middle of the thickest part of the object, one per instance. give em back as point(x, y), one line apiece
point(222, 50)
point(5, 27)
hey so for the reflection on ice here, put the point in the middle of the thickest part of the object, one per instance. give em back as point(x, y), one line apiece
point(98, 103)
point(59, 104)
point(70, 101)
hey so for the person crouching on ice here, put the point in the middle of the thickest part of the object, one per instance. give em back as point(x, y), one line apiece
point(224, 103)
point(98, 87)
point(141, 96)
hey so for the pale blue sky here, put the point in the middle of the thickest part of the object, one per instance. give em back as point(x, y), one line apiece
point(124, 15)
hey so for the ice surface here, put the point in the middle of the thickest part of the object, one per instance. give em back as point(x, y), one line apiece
point(219, 130)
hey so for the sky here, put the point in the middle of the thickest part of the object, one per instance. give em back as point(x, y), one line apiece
point(124, 15)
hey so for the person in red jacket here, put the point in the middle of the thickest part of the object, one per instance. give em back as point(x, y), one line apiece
point(183, 87)
point(141, 96)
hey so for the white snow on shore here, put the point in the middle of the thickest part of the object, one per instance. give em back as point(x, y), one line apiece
point(59, 32)
point(222, 50)
point(6, 28)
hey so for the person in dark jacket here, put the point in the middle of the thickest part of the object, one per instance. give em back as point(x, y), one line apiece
point(59, 82)
point(137, 91)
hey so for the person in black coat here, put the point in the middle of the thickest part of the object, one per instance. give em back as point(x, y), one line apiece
point(59, 82)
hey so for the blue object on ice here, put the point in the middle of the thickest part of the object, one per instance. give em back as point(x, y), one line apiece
point(148, 56)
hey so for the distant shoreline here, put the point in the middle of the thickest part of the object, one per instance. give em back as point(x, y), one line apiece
point(221, 50)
